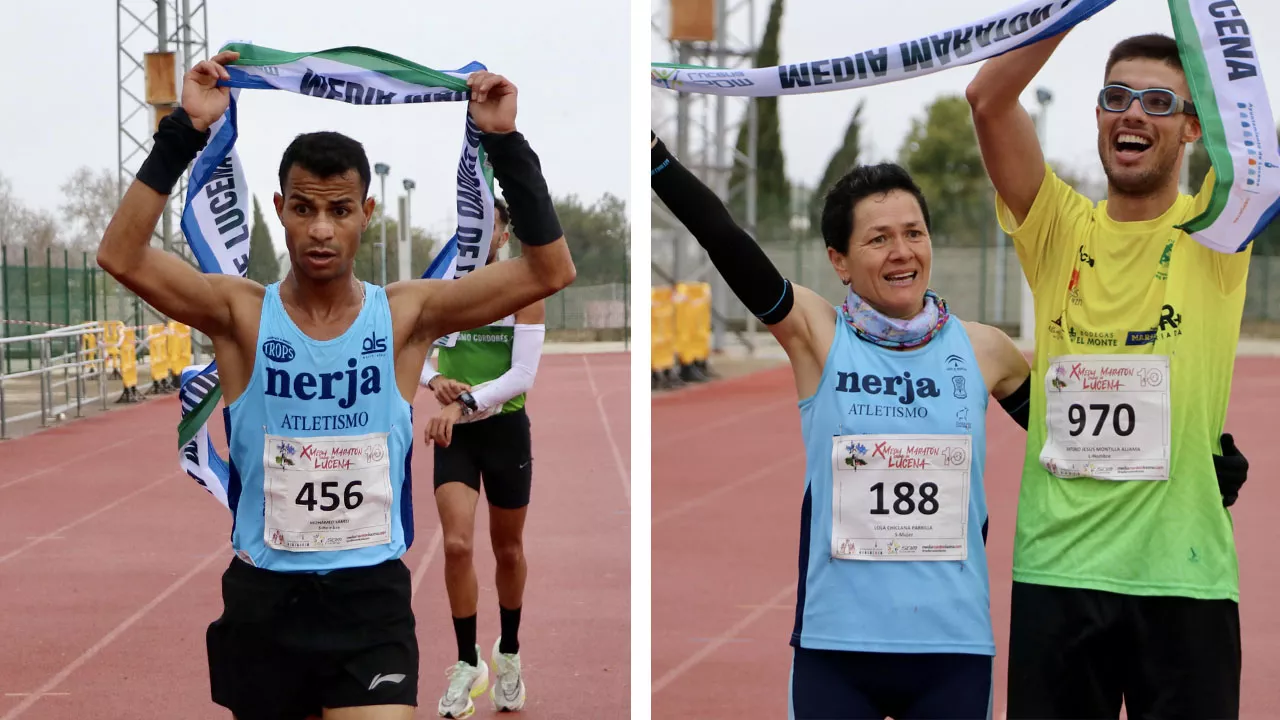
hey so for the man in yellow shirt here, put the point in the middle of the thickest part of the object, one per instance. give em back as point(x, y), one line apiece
point(1125, 570)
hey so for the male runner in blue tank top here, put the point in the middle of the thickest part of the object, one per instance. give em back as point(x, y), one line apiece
point(892, 614)
point(317, 373)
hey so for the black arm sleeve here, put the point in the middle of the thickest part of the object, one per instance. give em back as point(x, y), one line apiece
point(737, 257)
point(1018, 403)
point(517, 169)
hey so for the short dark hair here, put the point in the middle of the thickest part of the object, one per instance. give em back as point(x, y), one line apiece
point(326, 154)
point(501, 206)
point(1147, 47)
point(862, 182)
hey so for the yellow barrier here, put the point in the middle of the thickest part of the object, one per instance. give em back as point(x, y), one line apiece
point(693, 322)
point(662, 323)
point(128, 353)
point(179, 347)
point(88, 347)
point(112, 336)
point(157, 346)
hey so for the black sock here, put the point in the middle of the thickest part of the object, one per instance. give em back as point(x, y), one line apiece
point(510, 642)
point(465, 630)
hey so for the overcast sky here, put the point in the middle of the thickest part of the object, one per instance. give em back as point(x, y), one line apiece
point(814, 125)
point(60, 105)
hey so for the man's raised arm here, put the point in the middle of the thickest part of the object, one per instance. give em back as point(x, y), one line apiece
point(165, 281)
point(544, 266)
point(1006, 134)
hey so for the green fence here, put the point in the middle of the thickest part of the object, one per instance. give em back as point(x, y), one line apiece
point(41, 290)
point(56, 287)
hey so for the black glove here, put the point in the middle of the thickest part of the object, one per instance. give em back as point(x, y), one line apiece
point(1232, 469)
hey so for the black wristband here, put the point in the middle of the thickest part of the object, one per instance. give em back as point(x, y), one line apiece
point(1018, 403)
point(177, 143)
point(517, 170)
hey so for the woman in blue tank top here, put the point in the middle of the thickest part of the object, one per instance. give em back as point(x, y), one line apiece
point(892, 613)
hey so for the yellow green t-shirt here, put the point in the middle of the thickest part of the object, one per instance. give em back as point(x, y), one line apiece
point(1140, 288)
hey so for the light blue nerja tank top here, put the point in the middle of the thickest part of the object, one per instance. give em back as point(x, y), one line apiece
point(320, 446)
point(934, 606)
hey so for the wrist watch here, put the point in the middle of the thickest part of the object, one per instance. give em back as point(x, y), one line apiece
point(468, 403)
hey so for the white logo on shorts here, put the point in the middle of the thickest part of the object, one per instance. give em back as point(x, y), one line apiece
point(379, 679)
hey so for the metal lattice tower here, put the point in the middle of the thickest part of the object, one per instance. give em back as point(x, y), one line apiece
point(142, 27)
point(703, 131)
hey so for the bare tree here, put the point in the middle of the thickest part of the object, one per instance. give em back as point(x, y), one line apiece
point(90, 202)
point(10, 213)
point(38, 231)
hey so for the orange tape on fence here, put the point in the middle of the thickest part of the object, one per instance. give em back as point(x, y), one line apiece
point(662, 323)
point(128, 353)
point(158, 347)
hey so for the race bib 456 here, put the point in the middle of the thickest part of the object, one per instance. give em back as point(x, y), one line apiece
point(327, 493)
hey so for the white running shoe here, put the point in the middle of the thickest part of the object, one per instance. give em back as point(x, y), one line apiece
point(465, 682)
point(507, 692)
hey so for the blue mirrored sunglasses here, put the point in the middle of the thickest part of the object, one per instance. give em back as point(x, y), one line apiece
point(1155, 101)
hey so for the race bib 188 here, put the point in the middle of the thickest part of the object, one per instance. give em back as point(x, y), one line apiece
point(1108, 417)
point(327, 493)
point(900, 497)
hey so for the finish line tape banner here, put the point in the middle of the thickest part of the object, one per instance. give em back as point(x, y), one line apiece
point(1217, 51)
point(215, 219)
point(1025, 24)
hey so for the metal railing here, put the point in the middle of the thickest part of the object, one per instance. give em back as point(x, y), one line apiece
point(77, 371)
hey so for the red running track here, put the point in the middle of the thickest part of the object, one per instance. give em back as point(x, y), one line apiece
point(728, 478)
point(111, 558)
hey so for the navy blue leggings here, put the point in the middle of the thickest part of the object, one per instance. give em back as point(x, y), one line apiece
point(836, 685)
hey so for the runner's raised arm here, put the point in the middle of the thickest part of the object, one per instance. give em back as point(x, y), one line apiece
point(162, 279)
point(544, 266)
point(1006, 133)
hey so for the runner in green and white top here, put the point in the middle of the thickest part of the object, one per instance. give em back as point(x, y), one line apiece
point(482, 432)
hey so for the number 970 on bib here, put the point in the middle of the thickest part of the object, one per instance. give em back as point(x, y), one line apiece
point(900, 497)
point(1107, 417)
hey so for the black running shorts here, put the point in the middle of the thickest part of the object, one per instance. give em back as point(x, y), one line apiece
point(498, 449)
point(289, 645)
point(830, 684)
point(1077, 653)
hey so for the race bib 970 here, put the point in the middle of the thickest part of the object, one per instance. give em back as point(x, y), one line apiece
point(327, 493)
point(1108, 417)
point(900, 497)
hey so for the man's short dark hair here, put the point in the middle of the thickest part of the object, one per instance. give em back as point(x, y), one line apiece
point(1146, 47)
point(859, 183)
point(501, 206)
point(326, 154)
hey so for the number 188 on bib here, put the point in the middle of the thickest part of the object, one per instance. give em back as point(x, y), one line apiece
point(900, 497)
